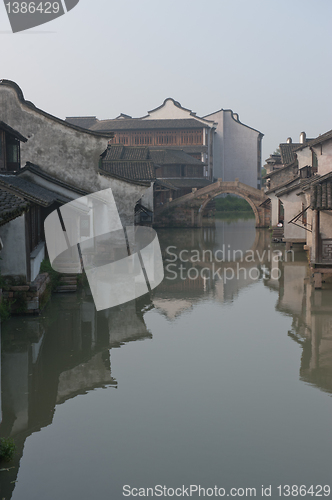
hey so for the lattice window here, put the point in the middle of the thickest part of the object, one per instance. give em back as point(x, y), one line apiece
point(327, 251)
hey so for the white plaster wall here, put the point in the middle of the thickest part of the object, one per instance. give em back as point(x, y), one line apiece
point(235, 149)
point(240, 143)
point(36, 260)
point(147, 198)
point(324, 157)
point(325, 224)
point(292, 207)
point(324, 164)
point(126, 195)
point(323, 149)
point(210, 155)
point(304, 157)
point(310, 214)
point(274, 209)
point(327, 147)
point(13, 254)
point(218, 146)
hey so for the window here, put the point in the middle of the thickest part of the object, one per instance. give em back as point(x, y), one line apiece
point(34, 227)
point(314, 162)
point(12, 153)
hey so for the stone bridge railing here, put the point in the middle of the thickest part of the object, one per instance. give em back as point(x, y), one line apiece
point(192, 205)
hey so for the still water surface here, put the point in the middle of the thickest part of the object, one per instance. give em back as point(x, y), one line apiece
point(208, 381)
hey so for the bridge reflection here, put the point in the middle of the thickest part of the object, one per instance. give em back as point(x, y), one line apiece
point(193, 267)
point(48, 360)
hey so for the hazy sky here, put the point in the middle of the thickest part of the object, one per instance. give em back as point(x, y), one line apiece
point(267, 60)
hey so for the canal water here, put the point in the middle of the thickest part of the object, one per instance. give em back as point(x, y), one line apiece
point(220, 379)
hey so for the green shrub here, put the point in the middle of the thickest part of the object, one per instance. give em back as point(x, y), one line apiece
point(5, 309)
point(7, 449)
point(232, 204)
point(46, 267)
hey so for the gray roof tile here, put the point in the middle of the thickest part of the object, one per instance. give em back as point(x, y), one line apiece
point(120, 152)
point(82, 121)
point(35, 169)
point(11, 206)
point(287, 152)
point(131, 170)
point(30, 191)
point(173, 157)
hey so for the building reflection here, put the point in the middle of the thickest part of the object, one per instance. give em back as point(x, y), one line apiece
point(315, 333)
point(287, 273)
point(193, 267)
point(47, 360)
point(311, 312)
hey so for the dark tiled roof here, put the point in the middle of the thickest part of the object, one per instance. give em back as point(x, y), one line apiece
point(287, 152)
point(123, 116)
point(11, 206)
point(137, 163)
point(127, 162)
point(173, 157)
point(321, 193)
point(82, 121)
point(129, 153)
point(35, 169)
point(30, 191)
point(139, 124)
point(321, 178)
point(297, 183)
point(186, 182)
point(131, 170)
point(282, 169)
point(166, 184)
point(129, 180)
point(274, 159)
point(12, 131)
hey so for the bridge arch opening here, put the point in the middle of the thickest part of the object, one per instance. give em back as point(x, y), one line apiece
point(237, 193)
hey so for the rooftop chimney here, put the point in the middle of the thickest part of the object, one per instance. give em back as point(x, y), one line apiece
point(289, 140)
point(303, 137)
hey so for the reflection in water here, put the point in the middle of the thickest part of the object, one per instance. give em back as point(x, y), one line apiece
point(202, 265)
point(47, 361)
point(311, 311)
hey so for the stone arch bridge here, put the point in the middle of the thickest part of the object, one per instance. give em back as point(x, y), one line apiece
point(188, 210)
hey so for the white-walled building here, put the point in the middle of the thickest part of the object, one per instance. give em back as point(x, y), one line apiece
point(228, 148)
